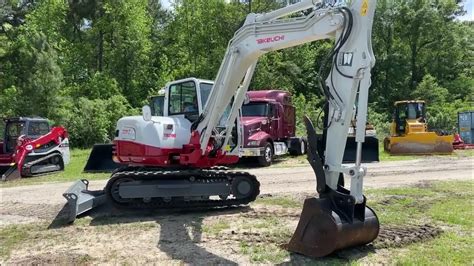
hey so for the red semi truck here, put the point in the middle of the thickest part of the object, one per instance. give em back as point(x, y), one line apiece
point(269, 124)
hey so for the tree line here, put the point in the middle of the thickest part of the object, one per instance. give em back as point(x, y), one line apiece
point(85, 63)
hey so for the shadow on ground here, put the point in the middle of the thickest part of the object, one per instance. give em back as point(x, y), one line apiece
point(180, 233)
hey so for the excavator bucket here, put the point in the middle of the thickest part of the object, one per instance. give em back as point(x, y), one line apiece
point(334, 220)
point(100, 159)
point(419, 143)
point(321, 230)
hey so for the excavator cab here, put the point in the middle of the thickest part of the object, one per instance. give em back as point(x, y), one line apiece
point(409, 132)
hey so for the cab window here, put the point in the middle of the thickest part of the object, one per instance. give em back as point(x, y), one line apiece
point(38, 128)
point(15, 129)
point(205, 92)
point(157, 104)
point(183, 98)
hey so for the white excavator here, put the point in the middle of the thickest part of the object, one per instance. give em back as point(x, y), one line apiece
point(172, 160)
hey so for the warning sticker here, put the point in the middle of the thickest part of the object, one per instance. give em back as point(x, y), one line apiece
point(364, 8)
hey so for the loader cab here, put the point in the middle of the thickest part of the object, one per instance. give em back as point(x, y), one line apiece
point(31, 128)
point(186, 97)
point(406, 111)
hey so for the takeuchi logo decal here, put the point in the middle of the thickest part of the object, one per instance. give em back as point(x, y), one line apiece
point(275, 38)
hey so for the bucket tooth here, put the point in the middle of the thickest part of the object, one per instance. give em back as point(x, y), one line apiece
point(321, 231)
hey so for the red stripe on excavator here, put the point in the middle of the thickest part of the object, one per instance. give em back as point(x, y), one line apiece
point(137, 154)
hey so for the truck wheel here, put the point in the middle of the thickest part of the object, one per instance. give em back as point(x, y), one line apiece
point(298, 147)
point(267, 157)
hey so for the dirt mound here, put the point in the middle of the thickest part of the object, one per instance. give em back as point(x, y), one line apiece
point(49, 258)
point(399, 236)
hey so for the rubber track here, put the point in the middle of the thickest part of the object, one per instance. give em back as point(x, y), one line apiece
point(202, 175)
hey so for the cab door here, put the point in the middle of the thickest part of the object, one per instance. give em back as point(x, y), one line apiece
point(274, 120)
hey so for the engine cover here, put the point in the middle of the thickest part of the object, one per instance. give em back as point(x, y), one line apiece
point(160, 132)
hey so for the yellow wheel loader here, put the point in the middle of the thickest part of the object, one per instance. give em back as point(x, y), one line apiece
point(409, 132)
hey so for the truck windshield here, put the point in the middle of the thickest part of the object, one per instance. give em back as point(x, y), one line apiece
point(255, 109)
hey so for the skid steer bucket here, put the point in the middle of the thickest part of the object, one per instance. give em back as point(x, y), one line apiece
point(8, 173)
point(100, 159)
point(334, 220)
point(419, 143)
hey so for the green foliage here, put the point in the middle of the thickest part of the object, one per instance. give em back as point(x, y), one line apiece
point(84, 64)
point(94, 120)
point(430, 91)
point(307, 106)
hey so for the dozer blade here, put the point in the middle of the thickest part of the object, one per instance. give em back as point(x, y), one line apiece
point(11, 173)
point(425, 143)
point(321, 231)
point(81, 200)
point(100, 159)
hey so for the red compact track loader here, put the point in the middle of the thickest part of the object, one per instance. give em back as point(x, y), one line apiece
point(31, 147)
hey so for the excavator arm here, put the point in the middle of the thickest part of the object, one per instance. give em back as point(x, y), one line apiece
point(351, 58)
point(339, 217)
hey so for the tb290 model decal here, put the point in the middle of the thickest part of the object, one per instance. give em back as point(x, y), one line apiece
point(275, 38)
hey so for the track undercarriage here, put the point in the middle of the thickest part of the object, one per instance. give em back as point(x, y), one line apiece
point(35, 166)
point(163, 188)
point(181, 188)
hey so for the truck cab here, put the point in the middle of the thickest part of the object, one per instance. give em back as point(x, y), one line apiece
point(269, 124)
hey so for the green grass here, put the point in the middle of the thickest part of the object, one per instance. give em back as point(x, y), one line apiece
point(448, 205)
point(450, 248)
point(263, 252)
point(279, 201)
point(13, 236)
point(72, 172)
point(216, 227)
point(10, 237)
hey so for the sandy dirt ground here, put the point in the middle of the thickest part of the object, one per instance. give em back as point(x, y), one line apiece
point(288, 179)
point(112, 236)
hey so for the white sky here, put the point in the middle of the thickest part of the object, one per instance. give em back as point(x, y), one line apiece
point(468, 6)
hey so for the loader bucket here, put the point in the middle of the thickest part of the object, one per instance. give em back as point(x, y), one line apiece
point(321, 231)
point(100, 160)
point(420, 143)
point(10, 173)
point(370, 150)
